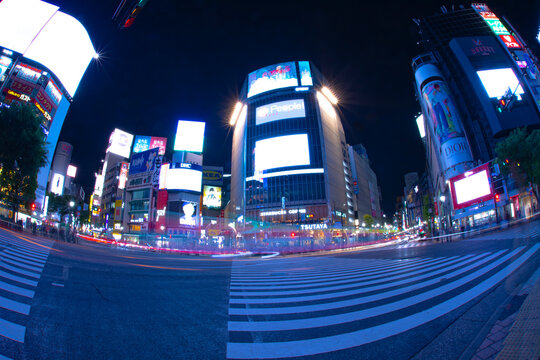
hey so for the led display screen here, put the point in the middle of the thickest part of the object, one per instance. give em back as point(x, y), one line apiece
point(279, 111)
point(71, 171)
point(141, 143)
point(498, 81)
point(472, 187)
point(159, 143)
point(28, 73)
point(50, 37)
point(57, 184)
point(120, 143)
point(305, 73)
point(510, 41)
point(4, 64)
point(189, 136)
point(421, 126)
point(122, 179)
point(143, 162)
point(212, 197)
point(281, 151)
point(53, 92)
point(272, 77)
point(184, 177)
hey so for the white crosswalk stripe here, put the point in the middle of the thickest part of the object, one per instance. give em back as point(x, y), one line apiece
point(521, 232)
point(21, 265)
point(296, 315)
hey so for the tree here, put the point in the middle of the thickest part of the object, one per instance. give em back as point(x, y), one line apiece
point(368, 220)
point(22, 152)
point(519, 153)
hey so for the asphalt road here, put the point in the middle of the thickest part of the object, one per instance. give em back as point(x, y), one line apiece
point(415, 300)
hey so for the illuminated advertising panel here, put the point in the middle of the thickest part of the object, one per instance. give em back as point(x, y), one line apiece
point(498, 81)
point(118, 204)
point(98, 186)
point(212, 197)
point(122, 178)
point(45, 102)
point(53, 92)
point(57, 184)
point(510, 41)
point(161, 208)
point(184, 176)
point(471, 187)
point(143, 162)
point(22, 88)
point(141, 143)
point(305, 73)
point(28, 73)
point(272, 77)
point(497, 26)
point(189, 136)
point(281, 151)
point(120, 143)
point(188, 213)
point(420, 124)
point(163, 176)
point(280, 110)
point(160, 143)
point(71, 171)
point(4, 64)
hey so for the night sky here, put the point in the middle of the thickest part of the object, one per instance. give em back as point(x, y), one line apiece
point(188, 59)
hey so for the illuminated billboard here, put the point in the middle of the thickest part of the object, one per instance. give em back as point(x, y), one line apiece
point(510, 41)
point(50, 37)
point(305, 73)
point(498, 81)
point(120, 143)
point(122, 178)
point(421, 126)
point(212, 197)
point(53, 92)
point(184, 176)
point(163, 176)
point(280, 110)
point(98, 186)
point(57, 184)
point(143, 162)
point(189, 136)
point(71, 171)
point(471, 187)
point(281, 151)
point(4, 64)
point(272, 77)
point(144, 143)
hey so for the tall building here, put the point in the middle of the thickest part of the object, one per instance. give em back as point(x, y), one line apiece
point(43, 56)
point(476, 81)
point(289, 157)
point(366, 194)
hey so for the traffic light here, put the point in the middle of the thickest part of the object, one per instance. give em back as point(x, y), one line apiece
point(497, 198)
point(293, 235)
point(33, 206)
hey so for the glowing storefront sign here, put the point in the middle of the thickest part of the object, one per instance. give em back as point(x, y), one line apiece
point(272, 77)
point(280, 110)
point(510, 41)
point(282, 212)
point(45, 113)
point(313, 226)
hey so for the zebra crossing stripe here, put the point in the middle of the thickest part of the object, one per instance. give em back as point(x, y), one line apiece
point(22, 260)
point(20, 264)
point(349, 281)
point(30, 251)
point(12, 331)
point(16, 306)
point(18, 279)
point(364, 299)
point(23, 255)
point(16, 290)
point(20, 271)
point(306, 277)
point(375, 333)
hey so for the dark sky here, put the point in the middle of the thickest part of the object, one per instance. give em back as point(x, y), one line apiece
point(188, 59)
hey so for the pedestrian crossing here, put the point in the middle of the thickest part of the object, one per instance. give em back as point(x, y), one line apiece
point(520, 232)
point(414, 244)
point(295, 307)
point(21, 263)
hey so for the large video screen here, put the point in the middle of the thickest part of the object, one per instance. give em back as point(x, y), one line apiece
point(498, 81)
point(470, 187)
point(212, 197)
point(305, 73)
point(280, 110)
point(281, 151)
point(186, 177)
point(272, 77)
point(4, 64)
point(189, 136)
point(120, 143)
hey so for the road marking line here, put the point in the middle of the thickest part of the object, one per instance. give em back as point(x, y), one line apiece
point(15, 258)
point(27, 253)
point(21, 265)
point(12, 331)
point(18, 279)
point(379, 332)
point(14, 306)
point(357, 301)
point(17, 270)
point(16, 290)
point(57, 284)
point(25, 256)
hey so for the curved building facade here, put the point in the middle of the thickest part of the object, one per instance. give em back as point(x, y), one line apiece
point(44, 54)
point(290, 159)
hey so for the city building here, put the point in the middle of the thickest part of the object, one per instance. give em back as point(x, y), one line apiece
point(476, 82)
point(63, 173)
point(290, 161)
point(366, 194)
point(43, 56)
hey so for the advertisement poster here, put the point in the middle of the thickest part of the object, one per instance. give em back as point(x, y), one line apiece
point(141, 143)
point(272, 77)
point(446, 124)
point(143, 162)
point(160, 143)
point(212, 197)
point(4, 64)
point(305, 73)
point(288, 109)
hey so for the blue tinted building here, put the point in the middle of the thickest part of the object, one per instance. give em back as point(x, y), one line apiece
point(290, 159)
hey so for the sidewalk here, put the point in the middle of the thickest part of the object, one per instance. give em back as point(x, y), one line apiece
point(516, 334)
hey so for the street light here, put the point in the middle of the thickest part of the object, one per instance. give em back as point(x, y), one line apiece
point(442, 198)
